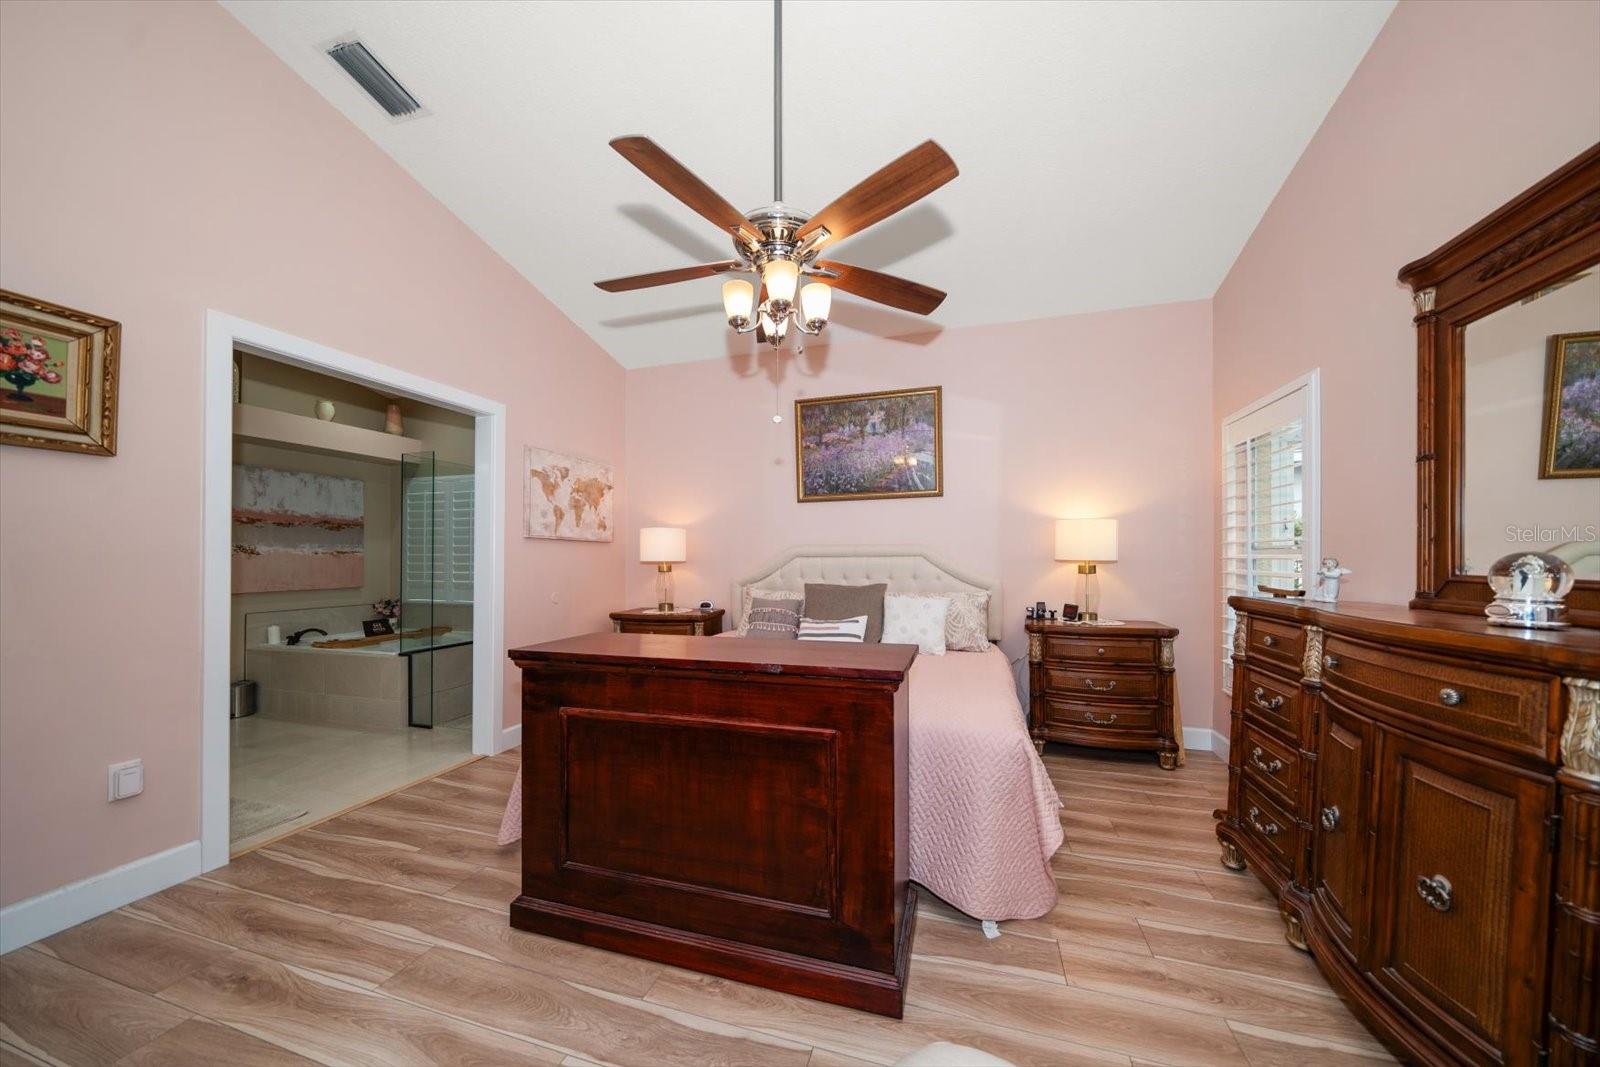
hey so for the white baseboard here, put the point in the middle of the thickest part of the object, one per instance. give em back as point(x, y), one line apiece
point(510, 737)
point(27, 921)
point(1200, 739)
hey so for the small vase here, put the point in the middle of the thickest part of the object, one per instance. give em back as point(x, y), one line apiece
point(325, 410)
point(391, 420)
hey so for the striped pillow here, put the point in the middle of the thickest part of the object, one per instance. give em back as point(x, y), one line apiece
point(850, 631)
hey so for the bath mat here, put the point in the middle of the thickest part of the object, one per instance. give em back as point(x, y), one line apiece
point(246, 818)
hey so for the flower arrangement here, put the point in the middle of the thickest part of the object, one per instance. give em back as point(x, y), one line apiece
point(388, 608)
point(25, 363)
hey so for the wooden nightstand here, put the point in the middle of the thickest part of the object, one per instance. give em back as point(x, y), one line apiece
point(690, 622)
point(1104, 686)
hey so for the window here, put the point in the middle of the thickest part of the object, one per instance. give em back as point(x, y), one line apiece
point(438, 537)
point(1269, 500)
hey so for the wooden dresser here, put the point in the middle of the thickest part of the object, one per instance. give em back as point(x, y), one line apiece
point(1422, 791)
point(1105, 686)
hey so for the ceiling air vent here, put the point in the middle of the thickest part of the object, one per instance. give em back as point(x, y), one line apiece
point(364, 67)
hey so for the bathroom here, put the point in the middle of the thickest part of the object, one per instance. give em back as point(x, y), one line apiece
point(351, 643)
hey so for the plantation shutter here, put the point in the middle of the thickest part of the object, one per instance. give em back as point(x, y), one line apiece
point(438, 537)
point(1266, 471)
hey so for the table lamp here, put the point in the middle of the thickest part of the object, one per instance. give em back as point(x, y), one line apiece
point(663, 546)
point(1087, 542)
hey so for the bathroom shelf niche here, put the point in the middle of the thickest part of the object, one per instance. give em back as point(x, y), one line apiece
point(271, 426)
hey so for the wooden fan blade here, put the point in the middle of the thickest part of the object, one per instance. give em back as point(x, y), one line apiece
point(897, 186)
point(676, 179)
point(667, 277)
point(883, 288)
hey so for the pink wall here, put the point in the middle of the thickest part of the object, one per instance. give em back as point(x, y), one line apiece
point(1103, 414)
point(1457, 108)
point(160, 161)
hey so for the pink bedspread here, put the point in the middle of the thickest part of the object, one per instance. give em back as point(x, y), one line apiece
point(984, 816)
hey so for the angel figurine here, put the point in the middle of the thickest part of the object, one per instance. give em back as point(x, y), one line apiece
point(1328, 575)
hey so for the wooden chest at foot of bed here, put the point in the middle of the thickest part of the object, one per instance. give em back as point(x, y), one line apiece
point(735, 807)
point(1103, 686)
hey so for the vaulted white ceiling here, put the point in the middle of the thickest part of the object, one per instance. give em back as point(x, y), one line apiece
point(1111, 154)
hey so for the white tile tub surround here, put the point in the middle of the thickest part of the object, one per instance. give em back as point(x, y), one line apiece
point(334, 687)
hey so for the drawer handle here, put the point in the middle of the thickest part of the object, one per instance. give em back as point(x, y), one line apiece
point(1269, 640)
point(1260, 697)
point(1108, 687)
point(1330, 818)
point(1271, 767)
point(1330, 662)
point(1270, 829)
point(1449, 698)
point(1088, 716)
point(1099, 651)
point(1435, 891)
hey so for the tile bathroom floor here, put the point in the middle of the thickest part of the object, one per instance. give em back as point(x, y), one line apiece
point(326, 769)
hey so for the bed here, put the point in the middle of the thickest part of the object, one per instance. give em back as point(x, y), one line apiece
point(984, 816)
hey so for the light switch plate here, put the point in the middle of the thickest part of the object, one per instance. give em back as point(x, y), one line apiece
point(126, 780)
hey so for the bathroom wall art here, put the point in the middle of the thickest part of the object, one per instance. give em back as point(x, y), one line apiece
point(294, 530)
point(58, 377)
point(565, 497)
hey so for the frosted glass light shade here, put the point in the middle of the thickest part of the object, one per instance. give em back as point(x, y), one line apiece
point(1086, 540)
point(781, 276)
point(662, 544)
point(738, 298)
point(816, 300)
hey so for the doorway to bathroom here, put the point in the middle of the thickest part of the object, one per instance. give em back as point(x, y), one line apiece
point(353, 546)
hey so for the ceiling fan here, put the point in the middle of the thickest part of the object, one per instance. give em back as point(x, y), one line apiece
point(781, 244)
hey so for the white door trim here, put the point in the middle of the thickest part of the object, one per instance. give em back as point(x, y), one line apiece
point(222, 333)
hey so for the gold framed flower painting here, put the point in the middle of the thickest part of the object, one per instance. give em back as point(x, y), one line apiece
point(58, 376)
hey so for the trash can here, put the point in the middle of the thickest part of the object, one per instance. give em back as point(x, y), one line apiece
point(242, 699)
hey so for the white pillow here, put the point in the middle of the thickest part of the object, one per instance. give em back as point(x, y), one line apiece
point(841, 631)
point(915, 620)
point(751, 593)
point(966, 627)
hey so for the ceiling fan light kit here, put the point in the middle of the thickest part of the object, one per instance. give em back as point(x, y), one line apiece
point(780, 245)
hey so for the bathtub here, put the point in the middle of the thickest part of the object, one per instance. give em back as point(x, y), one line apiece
point(373, 687)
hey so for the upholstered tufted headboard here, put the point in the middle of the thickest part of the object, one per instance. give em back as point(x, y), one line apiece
point(906, 569)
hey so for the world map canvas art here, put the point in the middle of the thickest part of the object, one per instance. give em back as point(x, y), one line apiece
point(566, 497)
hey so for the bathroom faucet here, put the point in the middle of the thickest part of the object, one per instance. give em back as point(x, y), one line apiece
point(294, 638)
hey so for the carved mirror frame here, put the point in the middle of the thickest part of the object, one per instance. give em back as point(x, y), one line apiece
point(1544, 235)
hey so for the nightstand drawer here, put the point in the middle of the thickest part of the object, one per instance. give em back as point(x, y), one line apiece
point(1072, 681)
point(1092, 715)
point(683, 628)
point(1140, 651)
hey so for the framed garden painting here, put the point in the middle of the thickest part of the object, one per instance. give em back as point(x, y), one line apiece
point(1571, 445)
point(869, 446)
point(58, 376)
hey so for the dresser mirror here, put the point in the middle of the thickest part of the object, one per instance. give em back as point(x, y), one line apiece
point(1531, 428)
point(1508, 394)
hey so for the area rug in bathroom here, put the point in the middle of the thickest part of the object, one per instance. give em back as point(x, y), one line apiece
point(246, 818)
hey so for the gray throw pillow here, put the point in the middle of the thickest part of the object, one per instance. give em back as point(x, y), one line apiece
point(833, 602)
point(773, 619)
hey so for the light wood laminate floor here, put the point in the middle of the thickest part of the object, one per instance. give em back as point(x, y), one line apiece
point(380, 937)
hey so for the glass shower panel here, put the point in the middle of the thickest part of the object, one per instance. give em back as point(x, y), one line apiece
point(418, 556)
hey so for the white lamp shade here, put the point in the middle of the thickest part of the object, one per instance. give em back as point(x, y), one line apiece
point(816, 300)
point(781, 276)
point(738, 297)
point(1086, 540)
point(662, 544)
